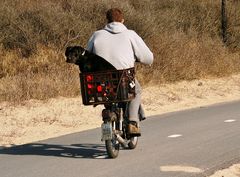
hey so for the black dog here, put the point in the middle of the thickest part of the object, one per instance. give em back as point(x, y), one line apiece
point(87, 61)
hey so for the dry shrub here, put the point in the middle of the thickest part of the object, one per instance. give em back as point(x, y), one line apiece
point(26, 24)
point(178, 57)
point(184, 35)
point(44, 75)
point(38, 86)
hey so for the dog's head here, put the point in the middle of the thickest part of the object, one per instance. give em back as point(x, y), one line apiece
point(74, 54)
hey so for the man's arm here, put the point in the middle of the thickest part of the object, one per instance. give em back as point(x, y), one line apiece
point(142, 53)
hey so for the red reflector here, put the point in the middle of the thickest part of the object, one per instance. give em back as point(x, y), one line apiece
point(89, 86)
point(99, 88)
point(89, 78)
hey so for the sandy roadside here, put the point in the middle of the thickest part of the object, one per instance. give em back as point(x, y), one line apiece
point(233, 171)
point(36, 120)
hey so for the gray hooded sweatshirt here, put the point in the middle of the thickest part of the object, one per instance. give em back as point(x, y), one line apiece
point(119, 46)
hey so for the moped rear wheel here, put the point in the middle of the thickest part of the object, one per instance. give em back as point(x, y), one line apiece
point(112, 147)
point(133, 142)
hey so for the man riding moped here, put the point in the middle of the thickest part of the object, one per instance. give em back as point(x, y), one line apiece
point(122, 48)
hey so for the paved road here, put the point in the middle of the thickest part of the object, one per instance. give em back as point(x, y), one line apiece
point(181, 144)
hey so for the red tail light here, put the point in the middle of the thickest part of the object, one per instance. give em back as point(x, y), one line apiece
point(99, 88)
point(89, 78)
point(90, 86)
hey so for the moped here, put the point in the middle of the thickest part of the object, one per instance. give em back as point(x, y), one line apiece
point(114, 89)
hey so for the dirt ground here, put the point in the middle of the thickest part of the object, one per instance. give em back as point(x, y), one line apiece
point(36, 120)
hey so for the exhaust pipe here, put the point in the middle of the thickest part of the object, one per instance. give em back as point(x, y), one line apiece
point(122, 141)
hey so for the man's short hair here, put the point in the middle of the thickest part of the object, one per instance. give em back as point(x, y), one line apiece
point(114, 15)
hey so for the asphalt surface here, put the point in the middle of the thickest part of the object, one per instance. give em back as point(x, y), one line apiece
point(189, 143)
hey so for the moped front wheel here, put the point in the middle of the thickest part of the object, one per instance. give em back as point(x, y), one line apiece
point(112, 147)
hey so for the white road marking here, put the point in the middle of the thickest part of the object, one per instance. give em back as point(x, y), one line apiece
point(101, 157)
point(67, 154)
point(54, 149)
point(174, 136)
point(37, 145)
point(229, 120)
point(180, 168)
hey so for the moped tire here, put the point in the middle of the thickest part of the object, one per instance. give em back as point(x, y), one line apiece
point(133, 142)
point(112, 147)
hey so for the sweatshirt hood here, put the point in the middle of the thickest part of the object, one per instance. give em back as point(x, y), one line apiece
point(115, 27)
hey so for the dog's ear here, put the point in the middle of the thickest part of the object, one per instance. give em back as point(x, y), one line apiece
point(68, 49)
point(80, 49)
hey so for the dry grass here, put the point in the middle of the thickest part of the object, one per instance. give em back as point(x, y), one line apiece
point(44, 75)
point(185, 36)
point(184, 58)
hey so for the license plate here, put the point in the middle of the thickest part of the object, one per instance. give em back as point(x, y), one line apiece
point(106, 131)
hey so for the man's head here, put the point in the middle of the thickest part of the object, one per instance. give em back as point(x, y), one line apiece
point(114, 15)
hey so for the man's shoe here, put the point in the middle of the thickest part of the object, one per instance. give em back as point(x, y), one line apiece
point(133, 129)
point(142, 118)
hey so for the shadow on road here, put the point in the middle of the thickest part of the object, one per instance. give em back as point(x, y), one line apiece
point(68, 151)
